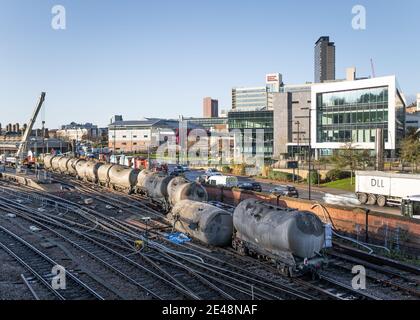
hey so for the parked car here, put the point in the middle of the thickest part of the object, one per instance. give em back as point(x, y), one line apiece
point(174, 173)
point(211, 171)
point(252, 186)
point(288, 191)
point(185, 168)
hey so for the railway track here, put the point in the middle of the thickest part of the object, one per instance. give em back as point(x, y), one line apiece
point(227, 275)
point(390, 273)
point(40, 267)
point(218, 279)
point(144, 274)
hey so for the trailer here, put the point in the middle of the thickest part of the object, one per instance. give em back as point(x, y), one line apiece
point(387, 188)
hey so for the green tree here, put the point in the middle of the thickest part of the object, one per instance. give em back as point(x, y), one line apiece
point(350, 157)
point(410, 150)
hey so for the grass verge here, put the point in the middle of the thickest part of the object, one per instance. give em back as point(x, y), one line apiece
point(344, 184)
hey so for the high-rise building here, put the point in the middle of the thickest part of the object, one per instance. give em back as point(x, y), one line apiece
point(324, 60)
point(257, 98)
point(291, 114)
point(210, 108)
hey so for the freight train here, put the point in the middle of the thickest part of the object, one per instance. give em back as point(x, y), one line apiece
point(160, 188)
point(293, 240)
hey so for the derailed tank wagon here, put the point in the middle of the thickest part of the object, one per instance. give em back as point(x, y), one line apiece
point(292, 239)
point(155, 186)
point(180, 188)
point(117, 177)
point(202, 221)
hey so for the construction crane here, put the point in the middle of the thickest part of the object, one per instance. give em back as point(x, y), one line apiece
point(373, 68)
point(25, 138)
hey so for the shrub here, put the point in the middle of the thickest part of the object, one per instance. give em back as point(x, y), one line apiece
point(226, 169)
point(239, 169)
point(315, 177)
point(337, 174)
point(280, 176)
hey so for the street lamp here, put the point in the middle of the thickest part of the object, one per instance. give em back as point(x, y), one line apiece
point(310, 153)
point(298, 144)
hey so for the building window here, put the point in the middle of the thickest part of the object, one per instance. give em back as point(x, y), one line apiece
point(352, 116)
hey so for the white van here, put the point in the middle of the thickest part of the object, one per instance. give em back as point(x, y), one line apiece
point(223, 181)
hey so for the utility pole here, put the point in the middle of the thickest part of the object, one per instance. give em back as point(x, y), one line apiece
point(298, 145)
point(43, 137)
point(310, 154)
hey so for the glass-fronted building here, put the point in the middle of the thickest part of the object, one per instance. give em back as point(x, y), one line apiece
point(209, 123)
point(257, 98)
point(249, 98)
point(250, 121)
point(352, 111)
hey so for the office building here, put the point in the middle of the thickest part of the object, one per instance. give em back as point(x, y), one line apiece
point(291, 121)
point(79, 132)
point(130, 136)
point(351, 111)
point(249, 122)
point(412, 120)
point(210, 124)
point(257, 98)
point(324, 60)
point(210, 108)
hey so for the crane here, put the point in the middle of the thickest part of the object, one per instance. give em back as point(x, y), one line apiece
point(25, 138)
point(373, 68)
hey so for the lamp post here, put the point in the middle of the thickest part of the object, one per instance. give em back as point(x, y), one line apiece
point(310, 154)
point(298, 144)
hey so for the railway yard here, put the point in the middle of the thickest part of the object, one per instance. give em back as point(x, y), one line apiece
point(113, 245)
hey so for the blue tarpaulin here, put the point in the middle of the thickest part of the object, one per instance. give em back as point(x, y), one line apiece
point(177, 237)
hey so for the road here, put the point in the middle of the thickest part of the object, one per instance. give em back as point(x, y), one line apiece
point(316, 194)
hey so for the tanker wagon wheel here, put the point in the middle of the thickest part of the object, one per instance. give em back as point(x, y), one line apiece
point(381, 201)
point(371, 199)
point(362, 197)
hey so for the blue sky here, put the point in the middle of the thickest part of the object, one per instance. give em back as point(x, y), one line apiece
point(160, 58)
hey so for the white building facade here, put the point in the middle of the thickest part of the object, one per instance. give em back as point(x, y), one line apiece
point(418, 101)
point(351, 112)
